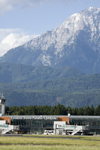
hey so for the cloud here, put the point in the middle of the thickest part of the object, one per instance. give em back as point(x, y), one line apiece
point(10, 38)
point(6, 5)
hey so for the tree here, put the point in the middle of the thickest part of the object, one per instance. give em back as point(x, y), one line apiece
point(92, 110)
point(97, 111)
point(87, 111)
point(81, 111)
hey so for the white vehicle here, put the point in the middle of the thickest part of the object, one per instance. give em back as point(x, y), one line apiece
point(48, 132)
point(45, 132)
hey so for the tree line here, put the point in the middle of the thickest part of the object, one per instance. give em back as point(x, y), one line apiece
point(52, 110)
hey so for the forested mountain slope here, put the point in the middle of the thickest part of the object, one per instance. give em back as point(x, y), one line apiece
point(13, 73)
point(72, 91)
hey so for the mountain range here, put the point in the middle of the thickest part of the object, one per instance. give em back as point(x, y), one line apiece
point(59, 66)
point(75, 43)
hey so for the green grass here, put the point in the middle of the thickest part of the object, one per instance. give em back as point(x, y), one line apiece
point(31, 147)
point(67, 136)
point(39, 143)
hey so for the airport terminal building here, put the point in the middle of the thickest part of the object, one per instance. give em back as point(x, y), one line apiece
point(37, 124)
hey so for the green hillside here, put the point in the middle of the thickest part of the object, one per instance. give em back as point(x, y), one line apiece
point(17, 73)
point(73, 91)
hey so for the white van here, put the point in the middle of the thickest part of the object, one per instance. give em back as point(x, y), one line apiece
point(48, 132)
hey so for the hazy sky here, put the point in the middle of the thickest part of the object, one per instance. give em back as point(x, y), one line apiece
point(22, 20)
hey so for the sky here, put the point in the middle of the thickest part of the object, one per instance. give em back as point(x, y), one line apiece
point(23, 20)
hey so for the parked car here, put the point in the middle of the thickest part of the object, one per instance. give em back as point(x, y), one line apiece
point(48, 132)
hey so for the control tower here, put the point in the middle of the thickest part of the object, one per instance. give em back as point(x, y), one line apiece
point(2, 105)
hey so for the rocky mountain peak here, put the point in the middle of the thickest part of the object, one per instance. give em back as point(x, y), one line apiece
point(74, 43)
point(86, 20)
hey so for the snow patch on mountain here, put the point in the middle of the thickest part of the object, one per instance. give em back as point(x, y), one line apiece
point(76, 42)
point(66, 33)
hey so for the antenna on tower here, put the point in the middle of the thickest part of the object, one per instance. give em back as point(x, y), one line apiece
point(2, 96)
point(68, 113)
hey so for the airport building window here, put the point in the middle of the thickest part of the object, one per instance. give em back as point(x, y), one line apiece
point(93, 123)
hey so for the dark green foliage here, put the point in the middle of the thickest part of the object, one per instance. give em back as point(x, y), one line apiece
point(73, 91)
point(97, 111)
point(52, 110)
point(61, 88)
point(17, 73)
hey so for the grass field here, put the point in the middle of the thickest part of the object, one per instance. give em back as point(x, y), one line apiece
point(40, 143)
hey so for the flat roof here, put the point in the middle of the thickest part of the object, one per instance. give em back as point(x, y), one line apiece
point(84, 117)
point(49, 117)
point(38, 117)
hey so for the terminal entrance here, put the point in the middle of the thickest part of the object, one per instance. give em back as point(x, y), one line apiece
point(34, 124)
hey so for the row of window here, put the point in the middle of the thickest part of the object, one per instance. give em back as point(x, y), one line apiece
point(90, 122)
point(33, 123)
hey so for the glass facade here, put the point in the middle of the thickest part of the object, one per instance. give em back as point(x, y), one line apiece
point(36, 126)
point(93, 122)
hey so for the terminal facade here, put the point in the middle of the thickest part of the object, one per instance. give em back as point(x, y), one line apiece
point(37, 124)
